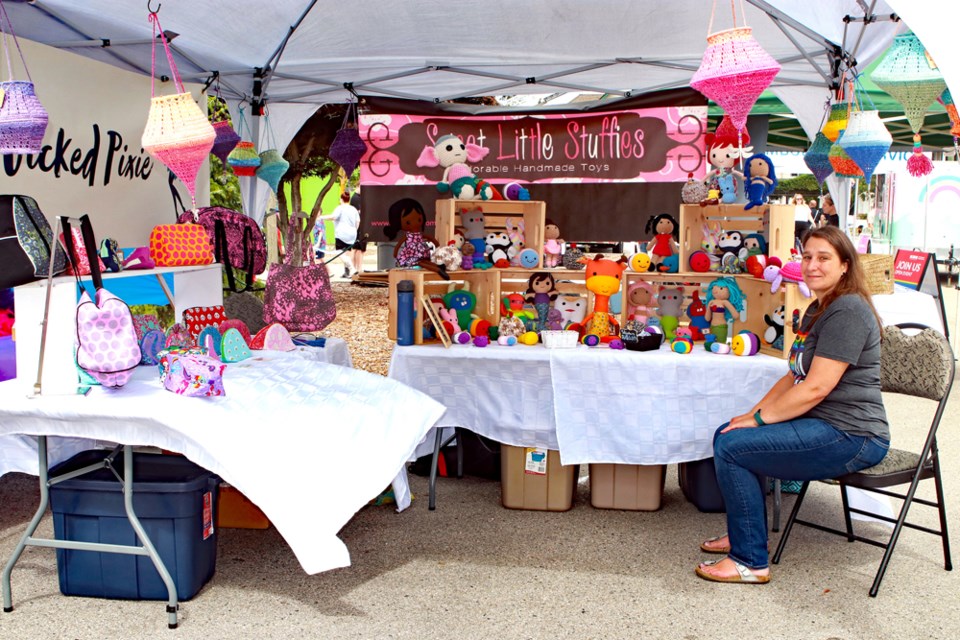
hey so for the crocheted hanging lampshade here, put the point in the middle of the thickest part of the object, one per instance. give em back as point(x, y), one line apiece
point(947, 101)
point(843, 165)
point(347, 149)
point(225, 141)
point(244, 159)
point(23, 120)
point(817, 158)
point(179, 135)
point(272, 167)
point(836, 121)
point(866, 140)
point(734, 71)
point(911, 78)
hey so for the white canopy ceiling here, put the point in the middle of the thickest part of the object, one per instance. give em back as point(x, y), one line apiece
point(293, 55)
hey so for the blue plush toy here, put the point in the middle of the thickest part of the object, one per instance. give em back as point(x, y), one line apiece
point(760, 180)
point(728, 188)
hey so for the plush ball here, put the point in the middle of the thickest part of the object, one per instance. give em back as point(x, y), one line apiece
point(529, 259)
point(719, 347)
point(507, 341)
point(481, 341)
point(530, 337)
point(746, 343)
point(682, 345)
point(462, 338)
point(699, 261)
point(756, 265)
point(617, 344)
point(640, 262)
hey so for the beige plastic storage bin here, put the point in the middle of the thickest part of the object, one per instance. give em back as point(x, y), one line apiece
point(633, 487)
point(529, 482)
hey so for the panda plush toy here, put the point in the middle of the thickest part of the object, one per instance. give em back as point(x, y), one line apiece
point(774, 332)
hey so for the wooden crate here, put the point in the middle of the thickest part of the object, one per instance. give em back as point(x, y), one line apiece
point(761, 302)
point(774, 222)
point(689, 281)
point(532, 212)
point(484, 284)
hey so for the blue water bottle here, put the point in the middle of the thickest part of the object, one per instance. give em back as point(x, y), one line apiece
point(405, 312)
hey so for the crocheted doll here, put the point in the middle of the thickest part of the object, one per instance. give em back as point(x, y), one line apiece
point(552, 244)
point(407, 216)
point(664, 244)
point(761, 180)
point(724, 154)
point(541, 291)
point(458, 179)
point(725, 303)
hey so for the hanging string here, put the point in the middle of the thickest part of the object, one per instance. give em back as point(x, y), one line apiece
point(6, 20)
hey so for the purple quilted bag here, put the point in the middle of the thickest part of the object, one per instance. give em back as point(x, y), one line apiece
point(107, 345)
point(299, 297)
point(240, 243)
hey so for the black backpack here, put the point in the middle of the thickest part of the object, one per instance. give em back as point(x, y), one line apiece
point(25, 241)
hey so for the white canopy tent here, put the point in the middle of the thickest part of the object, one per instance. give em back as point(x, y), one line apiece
point(292, 55)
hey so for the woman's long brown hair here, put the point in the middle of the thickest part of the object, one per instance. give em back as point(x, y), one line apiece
point(854, 281)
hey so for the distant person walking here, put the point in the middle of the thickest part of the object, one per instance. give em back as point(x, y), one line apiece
point(828, 213)
point(346, 222)
point(802, 218)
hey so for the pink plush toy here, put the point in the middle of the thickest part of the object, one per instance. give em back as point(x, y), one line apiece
point(453, 155)
point(789, 272)
point(640, 301)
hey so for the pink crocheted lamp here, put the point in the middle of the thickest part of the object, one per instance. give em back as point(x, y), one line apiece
point(911, 78)
point(734, 71)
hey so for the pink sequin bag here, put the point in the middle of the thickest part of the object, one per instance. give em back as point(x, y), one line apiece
point(107, 344)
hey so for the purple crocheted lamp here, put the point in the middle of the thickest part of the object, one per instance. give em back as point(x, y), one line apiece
point(225, 141)
point(734, 71)
point(347, 149)
point(23, 120)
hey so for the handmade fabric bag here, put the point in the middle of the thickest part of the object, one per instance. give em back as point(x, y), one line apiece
point(79, 255)
point(299, 297)
point(195, 375)
point(168, 356)
point(107, 345)
point(25, 242)
point(180, 245)
point(198, 318)
point(236, 238)
point(246, 307)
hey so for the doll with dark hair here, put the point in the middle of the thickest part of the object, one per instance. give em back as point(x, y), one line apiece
point(413, 249)
point(541, 292)
point(665, 242)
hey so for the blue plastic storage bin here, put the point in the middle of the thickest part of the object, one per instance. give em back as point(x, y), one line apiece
point(169, 500)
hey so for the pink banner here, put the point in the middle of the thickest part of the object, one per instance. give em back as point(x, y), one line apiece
point(646, 145)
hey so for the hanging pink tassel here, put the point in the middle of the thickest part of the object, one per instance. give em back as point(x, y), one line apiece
point(918, 165)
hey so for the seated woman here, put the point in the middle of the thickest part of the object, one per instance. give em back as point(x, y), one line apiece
point(822, 419)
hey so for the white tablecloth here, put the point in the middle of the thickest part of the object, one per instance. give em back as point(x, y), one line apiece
point(593, 405)
point(310, 443)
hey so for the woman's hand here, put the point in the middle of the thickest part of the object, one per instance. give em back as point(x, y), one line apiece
point(745, 421)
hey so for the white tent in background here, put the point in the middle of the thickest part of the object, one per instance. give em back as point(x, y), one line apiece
point(296, 54)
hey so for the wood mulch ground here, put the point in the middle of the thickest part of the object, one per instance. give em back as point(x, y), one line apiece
point(362, 322)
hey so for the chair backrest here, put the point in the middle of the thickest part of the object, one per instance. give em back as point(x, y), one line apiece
point(917, 365)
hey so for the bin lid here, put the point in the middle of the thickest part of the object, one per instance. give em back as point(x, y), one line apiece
point(152, 472)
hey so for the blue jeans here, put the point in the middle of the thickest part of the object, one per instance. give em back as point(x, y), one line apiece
point(800, 449)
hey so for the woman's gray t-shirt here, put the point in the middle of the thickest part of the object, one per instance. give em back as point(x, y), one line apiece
point(846, 331)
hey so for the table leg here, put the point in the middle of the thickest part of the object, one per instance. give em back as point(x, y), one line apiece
point(34, 523)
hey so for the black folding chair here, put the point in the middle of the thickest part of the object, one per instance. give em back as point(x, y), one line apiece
point(922, 366)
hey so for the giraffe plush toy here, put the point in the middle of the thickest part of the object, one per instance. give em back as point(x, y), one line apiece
point(603, 279)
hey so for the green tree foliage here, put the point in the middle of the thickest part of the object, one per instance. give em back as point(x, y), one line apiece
point(224, 185)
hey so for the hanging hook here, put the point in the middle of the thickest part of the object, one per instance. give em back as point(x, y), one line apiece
point(151, 9)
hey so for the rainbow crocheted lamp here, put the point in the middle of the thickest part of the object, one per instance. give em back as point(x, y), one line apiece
point(843, 165)
point(866, 140)
point(911, 78)
point(734, 71)
point(836, 121)
point(947, 101)
point(244, 158)
point(225, 141)
point(817, 158)
point(272, 167)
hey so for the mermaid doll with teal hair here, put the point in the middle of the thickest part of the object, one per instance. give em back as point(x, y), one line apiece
point(725, 303)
